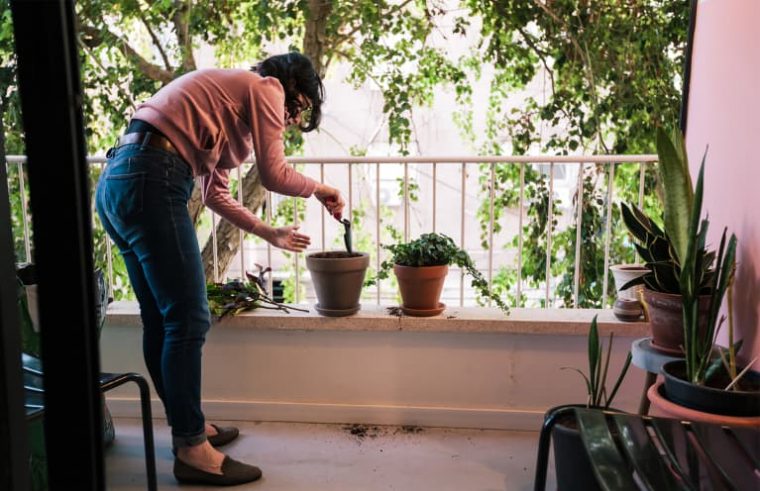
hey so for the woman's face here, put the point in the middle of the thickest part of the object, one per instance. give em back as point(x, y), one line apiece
point(300, 112)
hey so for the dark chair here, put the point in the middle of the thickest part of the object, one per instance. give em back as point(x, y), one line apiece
point(632, 452)
point(35, 405)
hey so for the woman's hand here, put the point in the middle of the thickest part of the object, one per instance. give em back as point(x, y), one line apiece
point(287, 238)
point(331, 199)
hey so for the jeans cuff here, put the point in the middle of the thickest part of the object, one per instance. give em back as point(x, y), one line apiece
point(188, 441)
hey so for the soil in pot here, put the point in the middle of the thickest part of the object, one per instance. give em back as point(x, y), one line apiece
point(421, 288)
point(338, 277)
point(666, 318)
point(711, 397)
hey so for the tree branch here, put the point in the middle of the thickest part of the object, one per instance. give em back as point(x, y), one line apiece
point(96, 37)
point(155, 39)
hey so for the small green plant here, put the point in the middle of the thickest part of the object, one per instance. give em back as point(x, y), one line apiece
point(596, 380)
point(436, 250)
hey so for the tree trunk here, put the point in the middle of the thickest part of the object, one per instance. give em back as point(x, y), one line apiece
point(228, 235)
point(315, 38)
point(254, 194)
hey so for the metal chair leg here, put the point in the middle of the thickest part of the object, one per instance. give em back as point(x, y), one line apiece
point(644, 404)
point(544, 439)
point(147, 421)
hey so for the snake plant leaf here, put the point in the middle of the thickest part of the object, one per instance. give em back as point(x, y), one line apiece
point(645, 254)
point(678, 195)
point(660, 250)
point(639, 280)
point(651, 225)
point(635, 226)
point(594, 357)
point(666, 277)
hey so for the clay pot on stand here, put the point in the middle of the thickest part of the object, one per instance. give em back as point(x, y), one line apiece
point(421, 288)
point(666, 318)
point(338, 277)
point(627, 306)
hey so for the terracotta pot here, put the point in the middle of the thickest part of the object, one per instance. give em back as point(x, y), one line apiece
point(712, 398)
point(421, 288)
point(666, 318)
point(338, 278)
point(661, 406)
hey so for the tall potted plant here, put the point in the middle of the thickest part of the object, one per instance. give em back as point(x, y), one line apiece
point(421, 266)
point(706, 381)
point(663, 249)
point(571, 462)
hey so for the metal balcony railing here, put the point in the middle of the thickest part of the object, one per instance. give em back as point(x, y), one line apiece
point(448, 182)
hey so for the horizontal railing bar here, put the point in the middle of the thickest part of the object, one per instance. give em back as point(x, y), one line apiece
point(509, 159)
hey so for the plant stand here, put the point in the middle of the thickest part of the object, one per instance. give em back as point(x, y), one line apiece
point(646, 357)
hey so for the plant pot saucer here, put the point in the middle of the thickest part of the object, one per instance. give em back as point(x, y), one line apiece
point(424, 312)
point(337, 312)
point(669, 351)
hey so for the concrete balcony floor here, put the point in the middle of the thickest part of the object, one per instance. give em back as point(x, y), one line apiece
point(331, 457)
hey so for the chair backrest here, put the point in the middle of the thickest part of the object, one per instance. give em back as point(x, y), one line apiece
point(640, 452)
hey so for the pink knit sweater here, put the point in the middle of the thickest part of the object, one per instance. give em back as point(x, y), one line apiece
point(215, 118)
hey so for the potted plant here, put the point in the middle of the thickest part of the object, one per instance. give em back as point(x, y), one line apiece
point(338, 277)
point(627, 305)
point(421, 266)
point(571, 462)
point(663, 248)
point(706, 382)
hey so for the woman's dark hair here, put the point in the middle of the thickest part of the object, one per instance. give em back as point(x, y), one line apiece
point(297, 76)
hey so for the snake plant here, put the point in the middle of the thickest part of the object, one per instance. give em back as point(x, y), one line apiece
point(698, 342)
point(664, 250)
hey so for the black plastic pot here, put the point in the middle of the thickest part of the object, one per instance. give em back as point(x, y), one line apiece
point(571, 462)
point(710, 399)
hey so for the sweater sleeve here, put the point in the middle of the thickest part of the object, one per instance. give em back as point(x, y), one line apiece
point(217, 197)
point(267, 126)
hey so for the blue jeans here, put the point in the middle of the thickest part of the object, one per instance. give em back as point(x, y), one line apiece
point(142, 200)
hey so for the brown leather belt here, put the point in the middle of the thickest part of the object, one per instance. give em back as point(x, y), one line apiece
point(148, 139)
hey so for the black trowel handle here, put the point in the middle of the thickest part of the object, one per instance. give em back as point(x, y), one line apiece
point(347, 235)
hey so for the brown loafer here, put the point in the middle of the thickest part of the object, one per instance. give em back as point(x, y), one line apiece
point(233, 473)
point(224, 435)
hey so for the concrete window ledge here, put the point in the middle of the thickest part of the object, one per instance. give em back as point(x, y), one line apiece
point(470, 367)
point(454, 319)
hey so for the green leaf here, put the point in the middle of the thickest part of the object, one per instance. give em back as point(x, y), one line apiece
point(678, 196)
point(594, 358)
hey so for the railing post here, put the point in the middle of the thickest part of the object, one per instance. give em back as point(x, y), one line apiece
point(520, 234)
point(461, 231)
point(578, 235)
point(492, 199)
point(607, 230)
point(549, 229)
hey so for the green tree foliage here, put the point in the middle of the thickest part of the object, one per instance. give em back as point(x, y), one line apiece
point(611, 70)
point(612, 74)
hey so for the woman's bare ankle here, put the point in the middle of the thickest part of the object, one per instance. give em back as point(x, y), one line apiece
point(203, 457)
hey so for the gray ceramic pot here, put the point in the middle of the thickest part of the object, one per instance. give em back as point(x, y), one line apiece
point(338, 278)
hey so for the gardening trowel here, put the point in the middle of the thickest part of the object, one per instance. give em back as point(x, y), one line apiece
point(347, 235)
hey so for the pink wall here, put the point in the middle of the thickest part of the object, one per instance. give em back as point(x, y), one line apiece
point(724, 113)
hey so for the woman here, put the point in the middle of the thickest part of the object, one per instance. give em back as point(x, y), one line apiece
point(202, 124)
